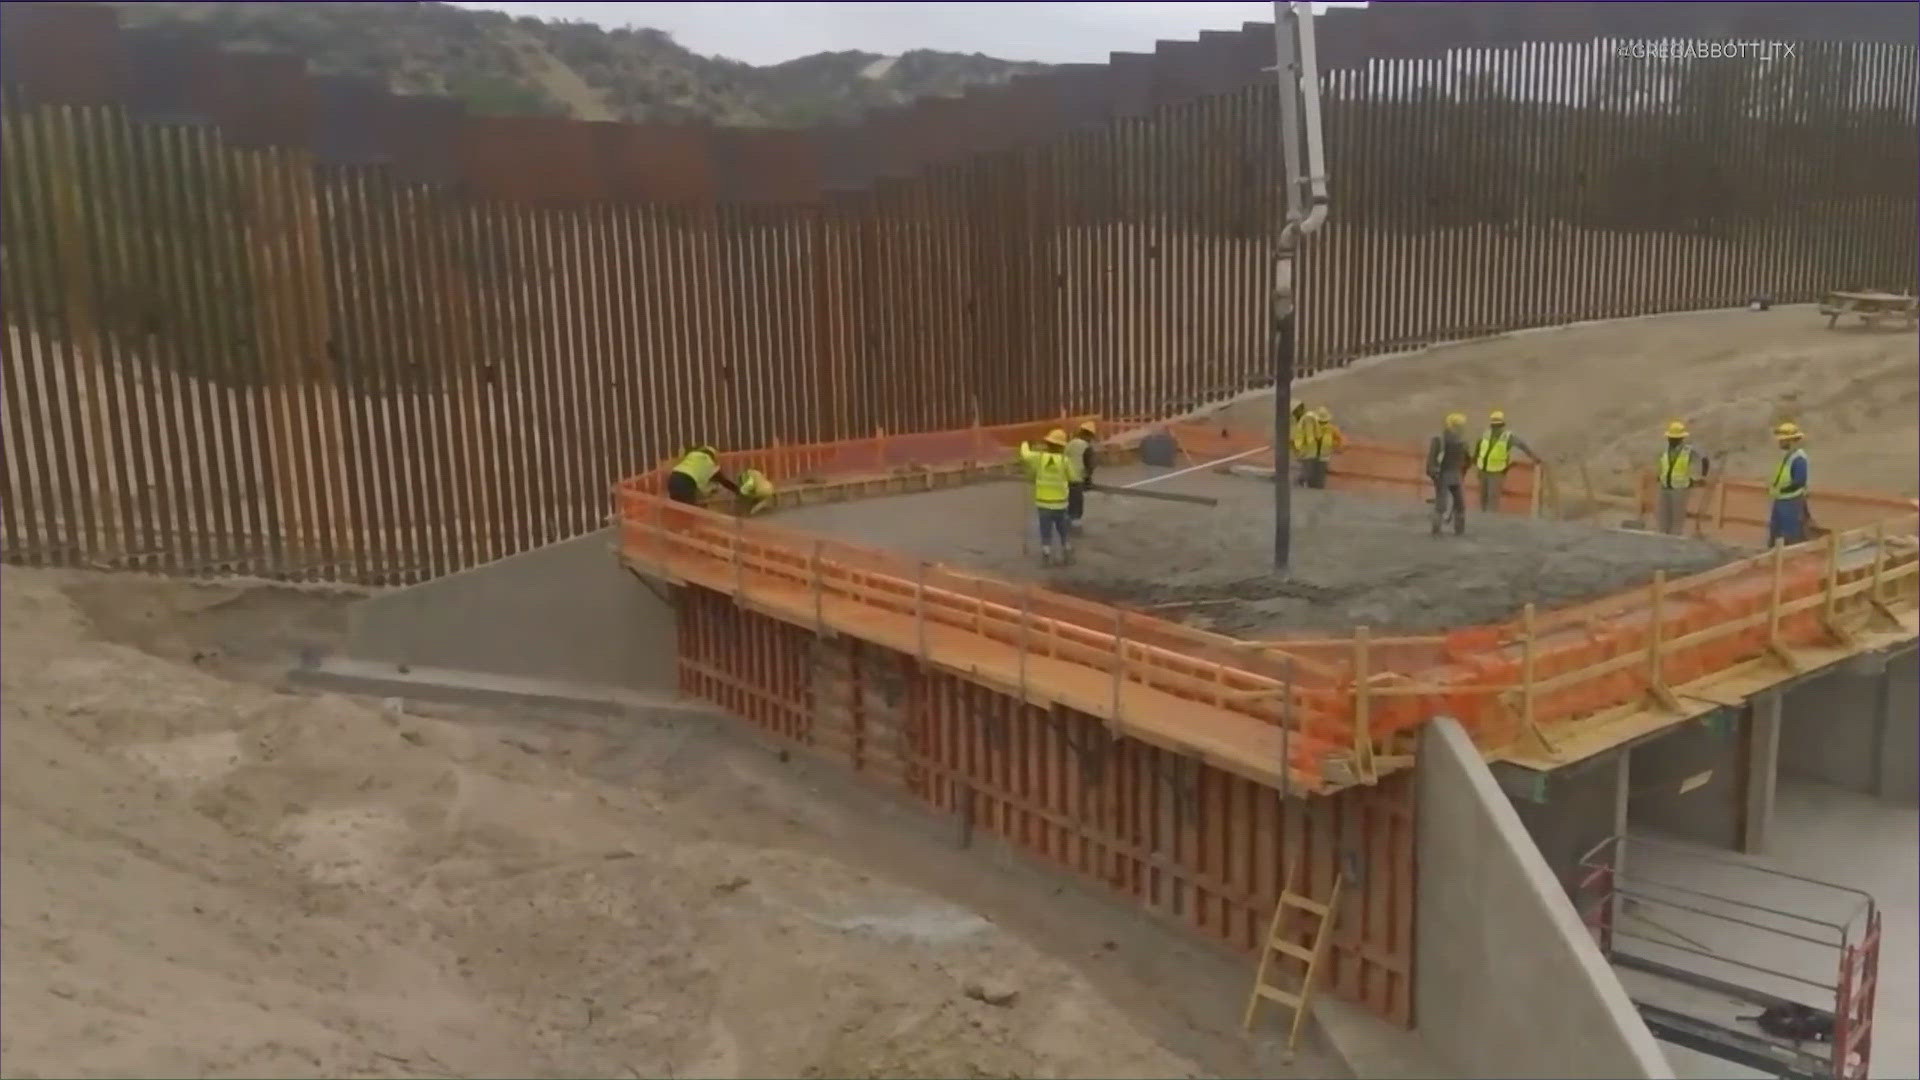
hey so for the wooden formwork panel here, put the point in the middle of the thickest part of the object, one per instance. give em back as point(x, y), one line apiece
point(1189, 842)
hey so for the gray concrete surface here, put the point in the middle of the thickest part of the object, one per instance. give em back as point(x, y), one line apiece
point(1690, 781)
point(441, 686)
point(1373, 1048)
point(1507, 982)
point(1370, 558)
point(1570, 811)
point(1822, 832)
point(1858, 728)
point(567, 612)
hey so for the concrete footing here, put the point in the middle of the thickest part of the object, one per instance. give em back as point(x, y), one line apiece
point(565, 613)
point(448, 687)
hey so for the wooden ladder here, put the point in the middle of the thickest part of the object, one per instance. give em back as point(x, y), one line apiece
point(1279, 942)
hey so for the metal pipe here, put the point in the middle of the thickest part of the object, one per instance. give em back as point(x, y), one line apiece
point(1316, 178)
point(1285, 47)
point(1296, 69)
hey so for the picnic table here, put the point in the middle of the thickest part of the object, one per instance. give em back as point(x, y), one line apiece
point(1872, 307)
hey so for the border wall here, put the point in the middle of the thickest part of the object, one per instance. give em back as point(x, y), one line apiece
point(290, 326)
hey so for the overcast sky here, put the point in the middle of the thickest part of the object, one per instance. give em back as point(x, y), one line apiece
point(1052, 32)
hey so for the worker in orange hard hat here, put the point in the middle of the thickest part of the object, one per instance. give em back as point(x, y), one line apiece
point(1080, 453)
point(1493, 456)
point(1787, 520)
point(1053, 475)
point(1447, 462)
point(1315, 445)
point(1679, 470)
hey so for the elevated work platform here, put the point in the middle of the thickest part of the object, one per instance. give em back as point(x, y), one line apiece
point(1543, 691)
point(1185, 769)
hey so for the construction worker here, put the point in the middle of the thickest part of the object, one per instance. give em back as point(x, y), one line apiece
point(1300, 437)
point(756, 491)
point(1787, 522)
point(1053, 476)
point(1080, 453)
point(693, 479)
point(1680, 467)
point(1319, 440)
point(1493, 455)
point(1447, 462)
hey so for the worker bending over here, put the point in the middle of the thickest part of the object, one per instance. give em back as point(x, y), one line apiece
point(1296, 427)
point(693, 479)
point(1447, 461)
point(1053, 476)
point(1493, 456)
point(1787, 523)
point(1680, 468)
point(1318, 442)
point(1301, 435)
point(1080, 453)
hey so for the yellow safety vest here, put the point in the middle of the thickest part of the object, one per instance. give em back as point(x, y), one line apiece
point(1051, 473)
point(1491, 455)
point(1317, 443)
point(1782, 486)
point(699, 465)
point(1302, 435)
point(1676, 467)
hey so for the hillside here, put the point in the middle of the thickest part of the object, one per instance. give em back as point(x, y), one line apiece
point(498, 64)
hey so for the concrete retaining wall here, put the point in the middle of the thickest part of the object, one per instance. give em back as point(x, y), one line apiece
point(1689, 783)
point(1856, 728)
point(1570, 811)
point(1507, 981)
point(565, 613)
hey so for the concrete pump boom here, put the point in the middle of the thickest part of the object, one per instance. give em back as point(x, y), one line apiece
point(1306, 195)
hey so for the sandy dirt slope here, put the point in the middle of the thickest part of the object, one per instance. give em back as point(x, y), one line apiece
point(1603, 393)
point(208, 877)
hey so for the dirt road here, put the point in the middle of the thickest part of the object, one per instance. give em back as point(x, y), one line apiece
point(1602, 393)
point(206, 876)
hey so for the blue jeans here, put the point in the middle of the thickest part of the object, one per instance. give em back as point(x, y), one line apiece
point(1052, 523)
point(1787, 521)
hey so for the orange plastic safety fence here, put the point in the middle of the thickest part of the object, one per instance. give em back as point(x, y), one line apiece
point(1584, 659)
point(758, 560)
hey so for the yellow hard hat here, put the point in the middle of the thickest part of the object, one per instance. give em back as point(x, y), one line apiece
point(1455, 419)
point(1086, 427)
point(1323, 413)
point(1787, 430)
point(1057, 437)
point(1677, 429)
point(1497, 416)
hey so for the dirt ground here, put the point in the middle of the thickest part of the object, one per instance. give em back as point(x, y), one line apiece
point(1603, 393)
point(208, 875)
point(1365, 561)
